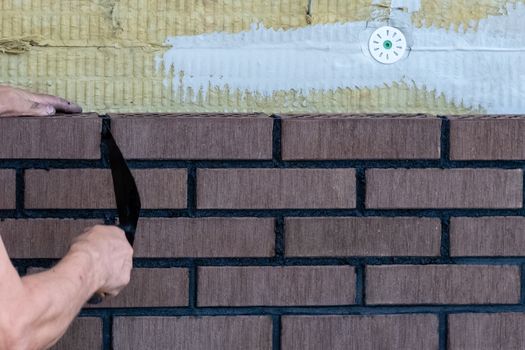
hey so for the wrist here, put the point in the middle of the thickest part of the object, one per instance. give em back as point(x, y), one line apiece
point(88, 264)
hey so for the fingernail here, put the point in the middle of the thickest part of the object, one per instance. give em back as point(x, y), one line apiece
point(50, 110)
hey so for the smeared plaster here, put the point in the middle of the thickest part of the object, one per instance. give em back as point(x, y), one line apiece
point(479, 69)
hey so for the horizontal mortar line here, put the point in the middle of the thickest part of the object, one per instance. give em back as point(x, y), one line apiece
point(305, 310)
point(261, 164)
point(51, 164)
point(355, 261)
point(262, 213)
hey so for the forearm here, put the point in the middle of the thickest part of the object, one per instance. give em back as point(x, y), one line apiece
point(52, 299)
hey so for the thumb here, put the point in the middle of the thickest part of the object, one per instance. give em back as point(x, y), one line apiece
point(42, 110)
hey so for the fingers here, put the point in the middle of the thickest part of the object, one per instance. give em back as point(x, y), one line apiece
point(58, 103)
point(40, 110)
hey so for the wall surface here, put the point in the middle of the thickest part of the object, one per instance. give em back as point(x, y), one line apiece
point(265, 55)
point(311, 232)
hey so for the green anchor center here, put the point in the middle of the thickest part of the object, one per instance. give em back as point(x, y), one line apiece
point(387, 44)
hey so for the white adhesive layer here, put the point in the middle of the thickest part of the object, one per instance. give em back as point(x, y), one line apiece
point(481, 69)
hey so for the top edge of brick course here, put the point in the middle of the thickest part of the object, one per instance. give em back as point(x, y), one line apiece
point(187, 115)
point(487, 117)
point(359, 116)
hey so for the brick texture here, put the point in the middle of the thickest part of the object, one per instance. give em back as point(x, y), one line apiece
point(93, 188)
point(276, 286)
point(362, 237)
point(205, 136)
point(275, 188)
point(61, 137)
point(502, 331)
point(183, 333)
point(152, 288)
point(451, 188)
point(205, 237)
point(488, 138)
point(359, 137)
point(41, 238)
point(488, 236)
point(7, 189)
point(84, 334)
point(408, 332)
point(442, 284)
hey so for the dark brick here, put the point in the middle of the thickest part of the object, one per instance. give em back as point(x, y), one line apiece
point(205, 237)
point(41, 238)
point(200, 136)
point(393, 332)
point(442, 284)
point(85, 333)
point(451, 188)
point(93, 188)
point(504, 331)
point(362, 237)
point(166, 287)
point(184, 333)
point(489, 236)
point(360, 137)
point(487, 138)
point(60, 137)
point(276, 286)
point(275, 188)
point(7, 189)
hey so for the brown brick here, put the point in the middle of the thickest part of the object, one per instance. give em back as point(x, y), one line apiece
point(505, 331)
point(201, 136)
point(205, 237)
point(362, 237)
point(487, 138)
point(442, 284)
point(489, 236)
point(275, 188)
point(41, 238)
point(152, 288)
point(85, 333)
point(184, 333)
point(276, 286)
point(451, 188)
point(60, 137)
point(360, 137)
point(391, 332)
point(93, 188)
point(7, 189)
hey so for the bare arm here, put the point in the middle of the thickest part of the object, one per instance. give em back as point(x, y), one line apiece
point(37, 309)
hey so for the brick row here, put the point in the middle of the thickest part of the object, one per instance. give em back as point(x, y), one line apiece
point(275, 188)
point(249, 136)
point(411, 332)
point(338, 137)
point(93, 188)
point(276, 286)
point(84, 333)
point(151, 287)
point(194, 136)
point(304, 237)
point(450, 188)
point(7, 189)
point(442, 284)
point(59, 137)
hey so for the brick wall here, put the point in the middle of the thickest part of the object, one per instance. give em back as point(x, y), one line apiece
point(258, 232)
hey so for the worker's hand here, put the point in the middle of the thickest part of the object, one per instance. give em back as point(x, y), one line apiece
point(17, 102)
point(112, 256)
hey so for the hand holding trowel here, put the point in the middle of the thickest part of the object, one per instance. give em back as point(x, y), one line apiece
point(126, 195)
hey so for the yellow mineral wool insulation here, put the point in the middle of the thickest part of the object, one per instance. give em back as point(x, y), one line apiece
point(126, 80)
point(459, 15)
point(17, 46)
